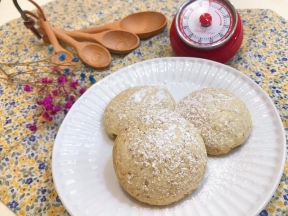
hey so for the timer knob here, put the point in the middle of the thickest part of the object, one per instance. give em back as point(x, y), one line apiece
point(205, 19)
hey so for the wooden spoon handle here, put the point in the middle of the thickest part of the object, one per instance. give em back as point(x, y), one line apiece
point(81, 36)
point(66, 38)
point(111, 26)
point(52, 37)
point(41, 31)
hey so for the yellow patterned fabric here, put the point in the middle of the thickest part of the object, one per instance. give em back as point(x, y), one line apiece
point(26, 184)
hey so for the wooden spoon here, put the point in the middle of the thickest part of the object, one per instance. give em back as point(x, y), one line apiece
point(63, 63)
point(67, 62)
point(145, 24)
point(116, 41)
point(94, 55)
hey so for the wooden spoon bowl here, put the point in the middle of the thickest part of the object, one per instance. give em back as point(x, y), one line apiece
point(116, 41)
point(120, 42)
point(95, 57)
point(67, 63)
point(145, 24)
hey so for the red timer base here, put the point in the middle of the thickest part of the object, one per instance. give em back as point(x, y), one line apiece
point(220, 54)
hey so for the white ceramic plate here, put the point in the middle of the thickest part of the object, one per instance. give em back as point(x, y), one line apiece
point(240, 183)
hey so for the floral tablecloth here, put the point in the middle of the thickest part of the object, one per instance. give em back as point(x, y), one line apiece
point(26, 184)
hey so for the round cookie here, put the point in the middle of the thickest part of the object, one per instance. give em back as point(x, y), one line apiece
point(130, 102)
point(161, 160)
point(221, 117)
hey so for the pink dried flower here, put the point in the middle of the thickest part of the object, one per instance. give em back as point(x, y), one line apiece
point(32, 127)
point(46, 80)
point(46, 116)
point(48, 99)
point(68, 105)
point(47, 102)
point(71, 98)
point(82, 90)
point(39, 102)
point(48, 106)
point(55, 93)
point(27, 88)
point(50, 81)
point(74, 84)
point(55, 69)
point(56, 109)
point(62, 80)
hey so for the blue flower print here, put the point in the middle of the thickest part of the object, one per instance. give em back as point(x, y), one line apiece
point(8, 121)
point(41, 166)
point(285, 197)
point(29, 181)
point(43, 191)
point(43, 199)
point(32, 138)
point(263, 213)
point(258, 74)
point(57, 199)
point(13, 204)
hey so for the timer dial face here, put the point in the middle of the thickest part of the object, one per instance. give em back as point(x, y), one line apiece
point(205, 23)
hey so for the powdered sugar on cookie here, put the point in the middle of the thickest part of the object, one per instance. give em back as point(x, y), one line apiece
point(130, 102)
point(222, 118)
point(161, 159)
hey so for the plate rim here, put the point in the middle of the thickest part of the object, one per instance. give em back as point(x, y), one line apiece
point(192, 59)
